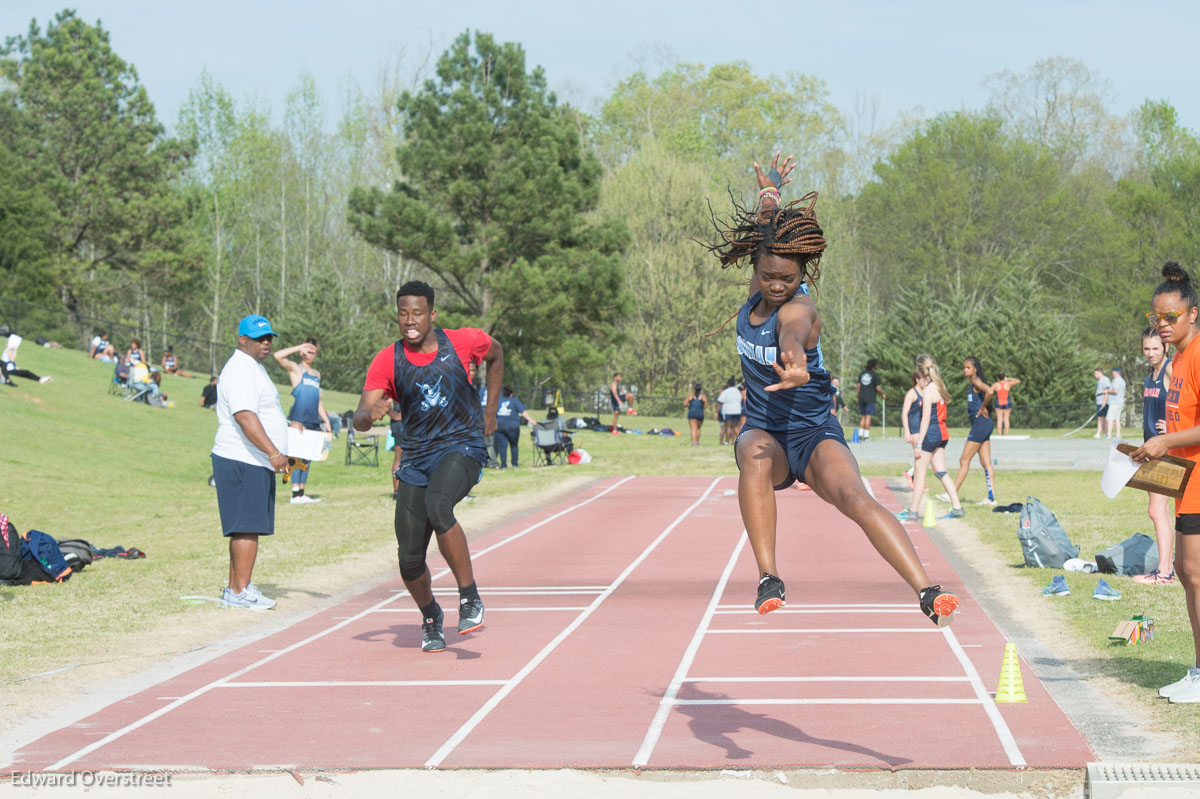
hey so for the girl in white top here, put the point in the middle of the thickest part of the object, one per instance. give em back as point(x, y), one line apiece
point(729, 411)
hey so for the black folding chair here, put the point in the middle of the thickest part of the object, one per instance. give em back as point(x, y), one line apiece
point(361, 449)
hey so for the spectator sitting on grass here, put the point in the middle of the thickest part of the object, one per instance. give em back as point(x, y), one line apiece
point(171, 366)
point(208, 394)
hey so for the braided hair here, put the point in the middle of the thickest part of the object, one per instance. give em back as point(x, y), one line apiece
point(791, 231)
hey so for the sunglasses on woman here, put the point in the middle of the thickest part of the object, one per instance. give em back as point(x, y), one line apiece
point(1170, 317)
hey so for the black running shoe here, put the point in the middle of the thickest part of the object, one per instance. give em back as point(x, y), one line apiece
point(434, 640)
point(470, 615)
point(770, 594)
point(938, 605)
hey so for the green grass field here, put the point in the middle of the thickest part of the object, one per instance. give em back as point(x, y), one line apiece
point(79, 462)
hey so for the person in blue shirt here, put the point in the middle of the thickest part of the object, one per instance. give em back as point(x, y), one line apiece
point(509, 414)
point(308, 411)
point(789, 433)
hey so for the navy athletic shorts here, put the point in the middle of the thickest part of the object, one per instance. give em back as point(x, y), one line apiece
point(933, 446)
point(866, 409)
point(416, 467)
point(981, 429)
point(1187, 523)
point(798, 446)
point(245, 496)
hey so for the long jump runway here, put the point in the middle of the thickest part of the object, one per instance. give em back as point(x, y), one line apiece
point(620, 632)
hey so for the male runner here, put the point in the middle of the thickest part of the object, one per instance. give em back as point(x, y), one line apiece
point(428, 373)
point(308, 412)
point(868, 387)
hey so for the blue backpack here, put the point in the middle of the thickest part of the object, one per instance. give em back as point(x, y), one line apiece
point(41, 550)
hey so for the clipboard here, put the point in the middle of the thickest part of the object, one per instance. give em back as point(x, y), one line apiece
point(1166, 475)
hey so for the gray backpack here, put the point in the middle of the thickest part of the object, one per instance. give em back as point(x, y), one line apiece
point(1137, 554)
point(1043, 540)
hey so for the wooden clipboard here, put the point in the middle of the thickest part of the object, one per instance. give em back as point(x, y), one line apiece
point(1166, 475)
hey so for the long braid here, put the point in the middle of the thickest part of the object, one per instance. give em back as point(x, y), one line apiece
point(791, 230)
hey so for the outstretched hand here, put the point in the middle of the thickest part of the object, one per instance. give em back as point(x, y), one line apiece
point(788, 165)
point(792, 374)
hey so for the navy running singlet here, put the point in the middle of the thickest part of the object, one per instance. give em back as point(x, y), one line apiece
point(787, 409)
point(974, 401)
point(307, 399)
point(439, 406)
point(914, 414)
point(1154, 402)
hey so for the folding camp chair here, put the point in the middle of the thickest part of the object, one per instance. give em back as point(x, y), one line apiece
point(361, 449)
point(549, 445)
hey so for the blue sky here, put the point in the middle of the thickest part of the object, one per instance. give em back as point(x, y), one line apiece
point(902, 55)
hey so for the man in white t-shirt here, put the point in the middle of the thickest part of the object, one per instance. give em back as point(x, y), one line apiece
point(729, 411)
point(1116, 403)
point(246, 455)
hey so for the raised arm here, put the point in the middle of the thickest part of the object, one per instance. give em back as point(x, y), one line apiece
point(769, 184)
point(295, 373)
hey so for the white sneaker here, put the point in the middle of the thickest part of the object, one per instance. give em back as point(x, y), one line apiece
point(943, 497)
point(1188, 686)
point(986, 502)
point(303, 500)
point(1096, 436)
point(45, 379)
point(248, 597)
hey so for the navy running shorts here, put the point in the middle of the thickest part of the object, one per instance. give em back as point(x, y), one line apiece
point(866, 409)
point(416, 467)
point(1004, 406)
point(798, 446)
point(933, 446)
point(1187, 523)
point(245, 497)
point(981, 429)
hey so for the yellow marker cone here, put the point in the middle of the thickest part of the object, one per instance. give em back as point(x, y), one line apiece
point(1010, 689)
point(930, 514)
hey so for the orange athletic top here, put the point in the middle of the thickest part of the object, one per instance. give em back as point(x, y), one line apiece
point(1183, 413)
point(1002, 394)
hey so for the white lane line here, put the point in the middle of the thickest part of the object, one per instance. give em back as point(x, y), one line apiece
point(359, 683)
point(831, 605)
point(827, 679)
point(534, 589)
point(162, 711)
point(826, 702)
point(490, 610)
point(867, 486)
point(445, 749)
point(821, 611)
point(664, 706)
point(998, 723)
point(826, 630)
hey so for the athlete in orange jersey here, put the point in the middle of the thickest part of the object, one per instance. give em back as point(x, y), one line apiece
point(1174, 314)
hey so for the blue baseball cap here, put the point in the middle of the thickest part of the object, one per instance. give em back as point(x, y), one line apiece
point(255, 326)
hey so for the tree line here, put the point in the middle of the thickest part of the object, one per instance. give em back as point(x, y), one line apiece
point(1028, 233)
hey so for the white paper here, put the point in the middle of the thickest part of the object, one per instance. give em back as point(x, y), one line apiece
point(308, 444)
point(1117, 472)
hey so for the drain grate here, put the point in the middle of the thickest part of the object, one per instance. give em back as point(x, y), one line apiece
point(1112, 780)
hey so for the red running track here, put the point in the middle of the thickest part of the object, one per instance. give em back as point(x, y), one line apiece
point(620, 632)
